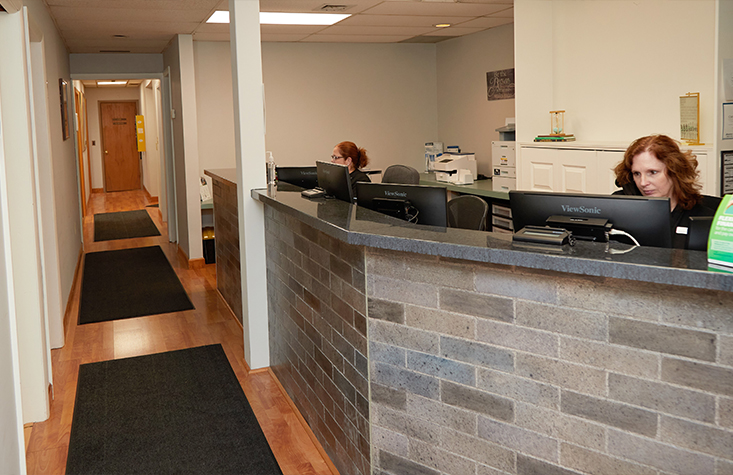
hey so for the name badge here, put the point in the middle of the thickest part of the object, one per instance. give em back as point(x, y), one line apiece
point(681, 230)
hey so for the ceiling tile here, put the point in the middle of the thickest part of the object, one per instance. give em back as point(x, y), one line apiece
point(376, 30)
point(354, 39)
point(66, 14)
point(137, 4)
point(399, 20)
point(303, 30)
point(435, 9)
point(305, 6)
point(508, 13)
point(485, 22)
point(454, 31)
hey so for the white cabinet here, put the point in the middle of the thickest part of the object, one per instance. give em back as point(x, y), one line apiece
point(547, 169)
point(582, 168)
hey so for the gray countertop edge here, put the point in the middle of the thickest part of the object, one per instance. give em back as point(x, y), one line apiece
point(695, 278)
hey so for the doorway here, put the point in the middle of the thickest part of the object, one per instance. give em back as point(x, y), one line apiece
point(120, 158)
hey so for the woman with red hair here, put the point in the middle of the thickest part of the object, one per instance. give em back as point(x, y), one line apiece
point(347, 153)
point(655, 166)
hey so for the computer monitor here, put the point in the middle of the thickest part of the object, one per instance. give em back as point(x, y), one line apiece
point(646, 219)
point(334, 179)
point(304, 177)
point(417, 203)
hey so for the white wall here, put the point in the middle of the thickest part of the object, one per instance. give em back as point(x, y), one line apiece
point(66, 210)
point(95, 95)
point(382, 97)
point(617, 67)
point(212, 61)
point(465, 116)
point(150, 99)
point(179, 56)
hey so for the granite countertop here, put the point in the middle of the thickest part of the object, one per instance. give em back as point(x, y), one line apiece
point(224, 174)
point(360, 226)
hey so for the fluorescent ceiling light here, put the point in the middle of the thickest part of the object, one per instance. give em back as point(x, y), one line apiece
point(219, 16)
point(112, 83)
point(279, 18)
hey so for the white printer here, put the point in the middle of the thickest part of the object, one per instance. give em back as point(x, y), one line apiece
point(461, 165)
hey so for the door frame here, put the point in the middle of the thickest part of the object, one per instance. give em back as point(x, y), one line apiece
point(101, 141)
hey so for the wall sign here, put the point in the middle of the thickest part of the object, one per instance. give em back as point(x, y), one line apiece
point(500, 84)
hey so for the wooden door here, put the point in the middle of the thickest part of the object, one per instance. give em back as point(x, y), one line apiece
point(119, 155)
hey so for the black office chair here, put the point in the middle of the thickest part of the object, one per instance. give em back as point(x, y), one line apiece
point(401, 174)
point(468, 212)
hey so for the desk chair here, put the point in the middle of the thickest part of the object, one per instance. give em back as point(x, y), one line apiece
point(468, 212)
point(401, 174)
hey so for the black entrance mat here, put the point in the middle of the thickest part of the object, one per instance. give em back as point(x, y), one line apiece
point(169, 413)
point(123, 225)
point(129, 283)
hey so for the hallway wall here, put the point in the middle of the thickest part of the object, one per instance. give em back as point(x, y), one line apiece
point(67, 208)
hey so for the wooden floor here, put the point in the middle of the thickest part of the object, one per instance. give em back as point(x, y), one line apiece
point(211, 322)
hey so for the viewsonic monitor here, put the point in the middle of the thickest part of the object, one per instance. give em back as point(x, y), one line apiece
point(646, 219)
point(334, 179)
point(417, 203)
point(304, 177)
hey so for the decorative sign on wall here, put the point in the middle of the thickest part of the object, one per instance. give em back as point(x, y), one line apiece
point(500, 84)
point(690, 118)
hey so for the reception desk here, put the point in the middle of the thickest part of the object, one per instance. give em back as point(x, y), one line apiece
point(428, 350)
point(226, 230)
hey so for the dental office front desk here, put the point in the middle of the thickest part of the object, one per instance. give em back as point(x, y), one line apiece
point(412, 349)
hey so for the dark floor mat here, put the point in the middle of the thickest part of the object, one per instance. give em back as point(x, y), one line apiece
point(129, 283)
point(123, 225)
point(169, 413)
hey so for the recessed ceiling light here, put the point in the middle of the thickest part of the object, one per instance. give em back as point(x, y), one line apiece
point(112, 83)
point(441, 25)
point(280, 18)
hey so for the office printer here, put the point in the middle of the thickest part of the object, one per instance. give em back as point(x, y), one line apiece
point(456, 168)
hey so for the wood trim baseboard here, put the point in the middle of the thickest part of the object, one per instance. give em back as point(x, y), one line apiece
point(305, 425)
point(231, 312)
point(74, 285)
point(97, 190)
point(197, 263)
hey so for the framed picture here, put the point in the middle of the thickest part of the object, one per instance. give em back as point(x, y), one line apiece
point(64, 93)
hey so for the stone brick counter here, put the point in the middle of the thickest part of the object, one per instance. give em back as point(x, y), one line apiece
point(428, 363)
point(226, 231)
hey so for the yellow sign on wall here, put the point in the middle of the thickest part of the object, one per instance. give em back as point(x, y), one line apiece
point(140, 128)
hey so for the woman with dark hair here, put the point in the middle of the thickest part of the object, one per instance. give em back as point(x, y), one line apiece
point(347, 153)
point(655, 166)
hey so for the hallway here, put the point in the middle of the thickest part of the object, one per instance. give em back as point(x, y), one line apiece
point(209, 323)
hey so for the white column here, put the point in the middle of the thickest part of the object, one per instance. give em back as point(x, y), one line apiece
point(249, 139)
point(18, 171)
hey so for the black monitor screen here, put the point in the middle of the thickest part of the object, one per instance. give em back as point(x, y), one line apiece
point(417, 203)
point(304, 177)
point(334, 179)
point(646, 219)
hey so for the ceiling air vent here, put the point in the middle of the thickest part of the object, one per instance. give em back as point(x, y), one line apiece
point(333, 8)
